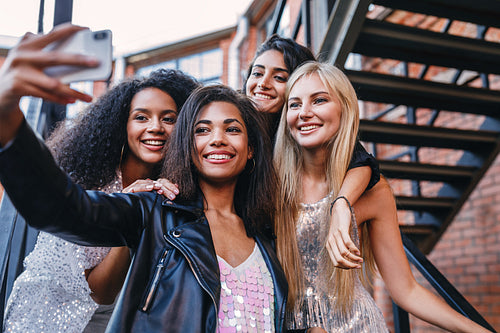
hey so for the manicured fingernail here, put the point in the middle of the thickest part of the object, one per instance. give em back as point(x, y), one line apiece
point(171, 196)
point(92, 61)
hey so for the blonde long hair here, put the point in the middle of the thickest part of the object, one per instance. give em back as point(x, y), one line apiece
point(288, 159)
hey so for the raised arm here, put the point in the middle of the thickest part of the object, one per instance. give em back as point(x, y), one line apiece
point(22, 75)
point(41, 192)
point(379, 208)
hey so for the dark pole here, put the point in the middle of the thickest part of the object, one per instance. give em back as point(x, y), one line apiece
point(41, 12)
point(52, 112)
point(63, 11)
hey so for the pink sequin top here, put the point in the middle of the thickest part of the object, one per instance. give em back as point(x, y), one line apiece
point(247, 296)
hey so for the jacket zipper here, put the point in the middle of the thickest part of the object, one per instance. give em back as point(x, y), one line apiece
point(199, 282)
point(156, 280)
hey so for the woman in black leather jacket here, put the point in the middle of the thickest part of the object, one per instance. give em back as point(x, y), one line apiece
point(220, 159)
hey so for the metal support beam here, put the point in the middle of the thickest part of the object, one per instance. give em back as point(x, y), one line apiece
point(397, 90)
point(395, 41)
point(278, 13)
point(478, 142)
point(401, 319)
point(431, 172)
point(482, 12)
point(63, 11)
point(344, 25)
point(306, 19)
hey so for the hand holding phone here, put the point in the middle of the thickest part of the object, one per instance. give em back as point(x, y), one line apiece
point(97, 44)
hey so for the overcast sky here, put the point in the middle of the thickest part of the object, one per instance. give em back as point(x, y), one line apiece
point(136, 24)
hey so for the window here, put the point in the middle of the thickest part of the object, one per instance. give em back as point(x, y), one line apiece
point(205, 66)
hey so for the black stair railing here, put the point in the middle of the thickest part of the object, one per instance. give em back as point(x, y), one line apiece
point(449, 293)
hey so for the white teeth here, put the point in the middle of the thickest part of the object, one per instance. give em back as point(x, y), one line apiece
point(308, 128)
point(218, 157)
point(263, 96)
point(154, 142)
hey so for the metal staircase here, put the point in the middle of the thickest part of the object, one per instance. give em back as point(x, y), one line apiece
point(470, 64)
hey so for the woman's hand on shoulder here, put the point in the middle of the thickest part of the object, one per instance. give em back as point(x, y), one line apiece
point(22, 73)
point(343, 253)
point(161, 186)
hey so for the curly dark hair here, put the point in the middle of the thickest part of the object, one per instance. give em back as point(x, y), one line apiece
point(90, 148)
point(256, 187)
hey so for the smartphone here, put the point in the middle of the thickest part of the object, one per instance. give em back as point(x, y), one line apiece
point(92, 43)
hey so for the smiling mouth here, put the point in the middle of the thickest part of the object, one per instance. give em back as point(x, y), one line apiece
point(308, 127)
point(262, 96)
point(156, 143)
point(218, 157)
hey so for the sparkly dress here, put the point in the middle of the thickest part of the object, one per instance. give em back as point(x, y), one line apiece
point(52, 294)
point(247, 296)
point(318, 307)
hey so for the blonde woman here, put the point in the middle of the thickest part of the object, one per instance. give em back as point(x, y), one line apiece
point(314, 144)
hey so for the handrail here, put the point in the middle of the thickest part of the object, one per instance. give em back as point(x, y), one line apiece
point(449, 293)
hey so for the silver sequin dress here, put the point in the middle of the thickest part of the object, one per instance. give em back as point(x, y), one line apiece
point(318, 309)
point(52, 294)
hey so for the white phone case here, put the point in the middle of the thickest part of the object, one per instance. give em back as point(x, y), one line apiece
point(92, 43)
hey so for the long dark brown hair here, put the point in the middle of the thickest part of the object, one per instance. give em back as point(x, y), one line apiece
point(254, 196)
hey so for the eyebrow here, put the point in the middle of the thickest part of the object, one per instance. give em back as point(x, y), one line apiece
point(226, 121)
point(148, 110)
point(278, 69)
point(312, 95)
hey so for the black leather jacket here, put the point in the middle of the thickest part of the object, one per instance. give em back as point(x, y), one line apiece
point(173, 283)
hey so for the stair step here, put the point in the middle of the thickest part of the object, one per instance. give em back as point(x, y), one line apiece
point(431, 172)
point(478, 142)
point(419, 234)
point(425, 204)
point(417, 229)
point(395, 41)
point(398, 90)
point(482, 12)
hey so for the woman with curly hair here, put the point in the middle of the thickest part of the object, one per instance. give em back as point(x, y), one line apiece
point(115, 143)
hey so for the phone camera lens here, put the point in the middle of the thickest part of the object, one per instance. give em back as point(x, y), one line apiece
point(100, 35)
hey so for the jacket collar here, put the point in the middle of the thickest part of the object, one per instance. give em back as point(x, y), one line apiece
point(194, 206)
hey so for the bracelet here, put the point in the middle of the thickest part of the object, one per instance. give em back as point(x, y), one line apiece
point(341, 197)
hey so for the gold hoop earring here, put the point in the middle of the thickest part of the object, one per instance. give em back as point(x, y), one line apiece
point(121, 157)
point(253, 166)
